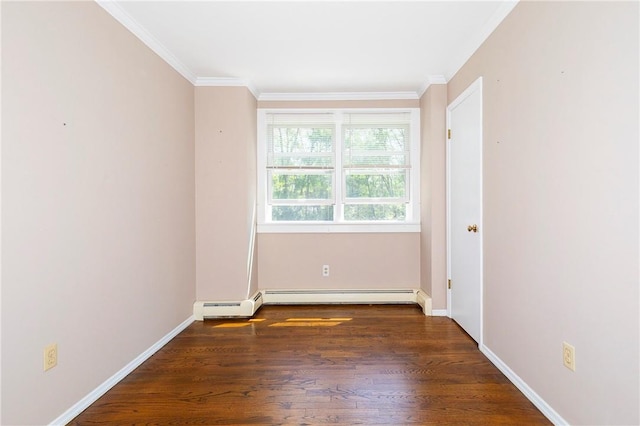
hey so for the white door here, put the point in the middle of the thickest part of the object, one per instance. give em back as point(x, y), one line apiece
point(464, 155)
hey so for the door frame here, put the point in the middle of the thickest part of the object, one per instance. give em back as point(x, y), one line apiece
point(473, 87)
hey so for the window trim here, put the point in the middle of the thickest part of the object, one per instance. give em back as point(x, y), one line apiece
point(412, 224)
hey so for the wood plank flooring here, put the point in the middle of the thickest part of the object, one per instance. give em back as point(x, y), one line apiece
point(311, 365)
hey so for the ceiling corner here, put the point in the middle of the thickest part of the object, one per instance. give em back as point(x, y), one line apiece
point(432, 79)
point(228, 82)
point(505, 8)
point(150, 41)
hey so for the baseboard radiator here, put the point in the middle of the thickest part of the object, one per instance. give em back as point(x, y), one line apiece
point(242, 309)
point(247, 308)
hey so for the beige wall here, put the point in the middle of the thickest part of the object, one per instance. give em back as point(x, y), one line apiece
point(356, 261)
point(99, 206)
point(98, 203)
point(561, 202)
point(225, 192)
point(433, 244)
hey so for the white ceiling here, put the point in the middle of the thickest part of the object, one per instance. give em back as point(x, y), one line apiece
point(313, 46)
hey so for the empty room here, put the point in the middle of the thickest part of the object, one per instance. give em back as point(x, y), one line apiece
point(310, 212)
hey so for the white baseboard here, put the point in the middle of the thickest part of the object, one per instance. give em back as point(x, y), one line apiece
point(93, 396)
point(439, 313)
point(247, 308)
point(339, 296)
point(531, 395)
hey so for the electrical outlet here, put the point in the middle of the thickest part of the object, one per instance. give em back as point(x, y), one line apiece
point(325, 270)
point(569, 356)
point(50, 356)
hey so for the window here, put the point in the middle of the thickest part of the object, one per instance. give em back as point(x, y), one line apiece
point(338, 170)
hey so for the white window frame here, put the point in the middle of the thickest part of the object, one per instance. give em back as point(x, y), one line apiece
point(410, 224)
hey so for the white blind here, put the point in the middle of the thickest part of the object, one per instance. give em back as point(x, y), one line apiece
point(376, 141)
point(300, 141)
point(377, 119)
point(295, 119)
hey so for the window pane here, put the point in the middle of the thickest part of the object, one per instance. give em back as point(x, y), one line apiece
point(363, 159)
point(375, 212)
point(301, 160)
point(298, 186)
point(302, 213)
point(361, 184)
point(379, 139)
point(301, 147)
point(376, 146)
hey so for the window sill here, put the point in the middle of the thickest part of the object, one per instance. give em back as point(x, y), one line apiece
point(331, 228)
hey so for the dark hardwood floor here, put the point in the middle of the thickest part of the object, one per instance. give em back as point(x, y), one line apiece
point(307, 365)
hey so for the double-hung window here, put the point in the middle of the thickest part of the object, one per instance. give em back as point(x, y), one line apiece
point(376, 165)
point(300, 167)
point(338, 170)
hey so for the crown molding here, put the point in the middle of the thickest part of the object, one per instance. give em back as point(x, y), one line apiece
point(226, 81)
point(437, 79)
point(505, 7)
point(338, 96)
point(432, 79)
point(132, 25)
point(119, 14)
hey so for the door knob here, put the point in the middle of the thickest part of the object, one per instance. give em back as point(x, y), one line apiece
point(473, 228)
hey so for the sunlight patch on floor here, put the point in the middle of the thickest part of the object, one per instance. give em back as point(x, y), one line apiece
point(310, 322)
point(306, 324)
point(318, 319)
point(289, 322)
point(232, 325)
